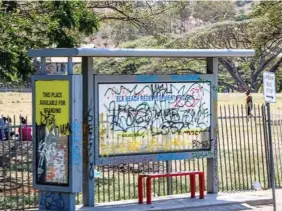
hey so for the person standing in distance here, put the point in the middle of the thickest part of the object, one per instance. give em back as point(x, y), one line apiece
point(249, 104)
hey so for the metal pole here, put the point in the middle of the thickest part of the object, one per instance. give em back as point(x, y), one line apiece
point(43, 66)
point(265, 125)
point(272, 170)
point(70, 71)
point(212, 168)
point(169, 179)
point(88, 132)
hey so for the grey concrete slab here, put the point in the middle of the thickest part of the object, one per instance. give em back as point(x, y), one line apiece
point(243, 201)
point(183, 201)
point(229, 207)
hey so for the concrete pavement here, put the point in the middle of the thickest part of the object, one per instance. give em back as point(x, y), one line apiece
point(239, 201)
point(243, 201)
point(232, 207)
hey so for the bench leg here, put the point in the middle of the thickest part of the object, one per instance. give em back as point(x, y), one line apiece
point(140, 189)
point(193, 186)
point(202, 186)
point(149, 190)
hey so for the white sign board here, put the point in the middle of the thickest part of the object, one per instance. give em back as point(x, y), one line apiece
point(269, 90)
point(143, 117)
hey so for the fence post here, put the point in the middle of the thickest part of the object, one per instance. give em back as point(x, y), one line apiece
point(169, 179)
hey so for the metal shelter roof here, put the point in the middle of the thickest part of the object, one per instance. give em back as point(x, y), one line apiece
point(119, 52)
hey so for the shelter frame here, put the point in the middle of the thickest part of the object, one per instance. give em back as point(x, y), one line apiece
point(197, 81)
point(87, 54)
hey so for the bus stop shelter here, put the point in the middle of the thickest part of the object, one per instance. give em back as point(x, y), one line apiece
point(69, 112)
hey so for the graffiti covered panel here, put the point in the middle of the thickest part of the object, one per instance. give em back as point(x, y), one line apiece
point(142, 118)
point(52, 116)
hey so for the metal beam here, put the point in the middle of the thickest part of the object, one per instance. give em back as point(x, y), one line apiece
point(70, 70)
point(212, 169)
point(103, 52)
point(42, 66)
point(88, 132)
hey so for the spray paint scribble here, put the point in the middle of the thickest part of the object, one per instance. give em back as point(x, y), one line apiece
point(153, 117)
point(160, 108)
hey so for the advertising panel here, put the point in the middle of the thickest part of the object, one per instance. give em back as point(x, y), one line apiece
point(141, 118)
point(52, 119)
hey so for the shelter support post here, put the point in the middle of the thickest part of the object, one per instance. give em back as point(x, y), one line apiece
point(42, 66)
point(212, 169)
point(88, 132)
point(70, 69)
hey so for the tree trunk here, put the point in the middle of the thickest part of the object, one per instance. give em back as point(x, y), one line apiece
point(280, 87)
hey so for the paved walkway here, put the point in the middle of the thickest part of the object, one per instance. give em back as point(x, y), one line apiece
point(243, 201)
point(235, 207)
point(231, 207)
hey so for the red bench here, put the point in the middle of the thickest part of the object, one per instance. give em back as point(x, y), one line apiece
point(149, 178)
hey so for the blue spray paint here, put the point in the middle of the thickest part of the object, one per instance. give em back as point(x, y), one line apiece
point(177, 156)
point(51, 201)
point(147, 78)
point(77, 145)
point(190, 77)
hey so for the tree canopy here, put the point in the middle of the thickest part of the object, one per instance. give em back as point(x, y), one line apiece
point(39, 24)
point(259, 32)
point(150, 24)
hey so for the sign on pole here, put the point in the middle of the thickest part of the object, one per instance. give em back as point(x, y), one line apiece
point(270, 97)
point(269, 90)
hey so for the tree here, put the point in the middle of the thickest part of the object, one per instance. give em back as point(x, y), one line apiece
point(39, 24)
point(269, 14)
point(141, 15)
point(130, 65)
point(131, 20)
point(245, 72)
point(239, 74)
point(214, 11)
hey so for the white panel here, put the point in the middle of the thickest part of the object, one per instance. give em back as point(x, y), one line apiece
point(153, 117)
